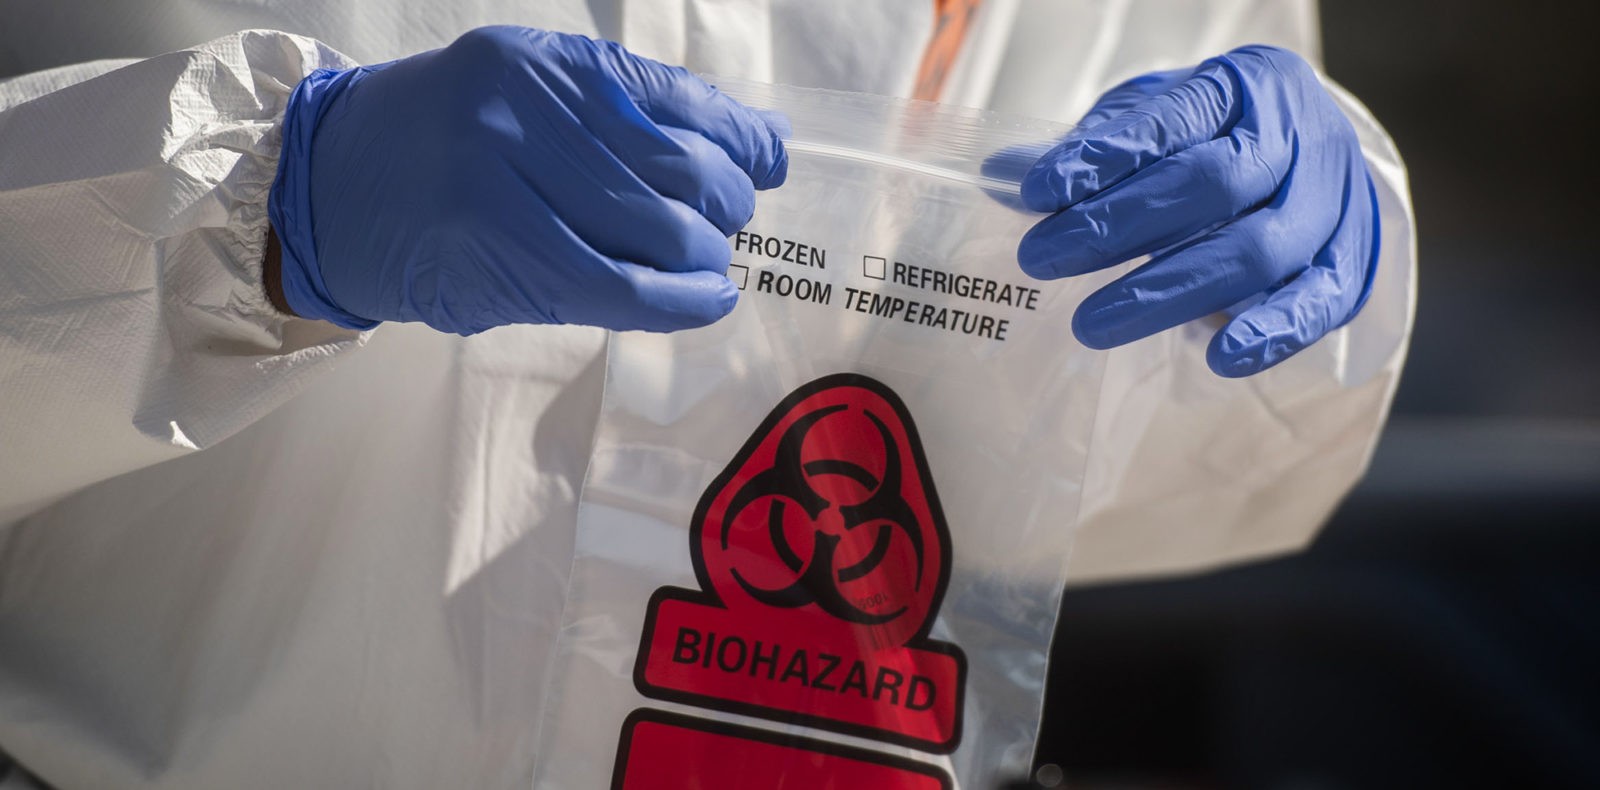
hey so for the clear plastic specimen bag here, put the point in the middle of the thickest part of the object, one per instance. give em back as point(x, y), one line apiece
point(822, 542)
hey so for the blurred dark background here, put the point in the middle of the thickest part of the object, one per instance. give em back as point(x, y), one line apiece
point(1444, 629)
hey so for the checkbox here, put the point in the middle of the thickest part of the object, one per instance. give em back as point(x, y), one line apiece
point(739, 274)
point(874, 267)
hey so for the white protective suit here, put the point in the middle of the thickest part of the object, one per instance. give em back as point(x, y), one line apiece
point(239, 550)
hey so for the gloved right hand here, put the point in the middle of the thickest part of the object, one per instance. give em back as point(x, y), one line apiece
point(516, 176)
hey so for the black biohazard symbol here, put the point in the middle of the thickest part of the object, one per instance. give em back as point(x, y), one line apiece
point(788, 484)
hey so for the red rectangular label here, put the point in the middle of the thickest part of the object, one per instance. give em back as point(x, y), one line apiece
point(665, 751)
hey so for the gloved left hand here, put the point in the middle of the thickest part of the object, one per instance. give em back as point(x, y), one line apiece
point(1244, 178)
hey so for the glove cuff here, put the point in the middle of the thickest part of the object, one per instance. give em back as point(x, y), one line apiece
point(289, 203)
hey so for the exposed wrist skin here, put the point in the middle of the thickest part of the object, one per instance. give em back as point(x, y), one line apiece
point(272, 274)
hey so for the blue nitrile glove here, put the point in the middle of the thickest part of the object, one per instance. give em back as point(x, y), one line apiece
point(1248, 183)
point(516, 176)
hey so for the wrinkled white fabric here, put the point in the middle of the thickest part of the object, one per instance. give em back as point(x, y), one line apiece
point(135, 326)
point(361, 585)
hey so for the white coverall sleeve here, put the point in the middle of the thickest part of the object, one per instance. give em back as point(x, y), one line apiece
point(133, 322)
point(1189, 470)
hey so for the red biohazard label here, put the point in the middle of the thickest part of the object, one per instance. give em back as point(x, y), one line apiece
point(665, 751)
point(822, 556)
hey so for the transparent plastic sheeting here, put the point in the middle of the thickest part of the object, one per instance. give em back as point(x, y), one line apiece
point(822, 542)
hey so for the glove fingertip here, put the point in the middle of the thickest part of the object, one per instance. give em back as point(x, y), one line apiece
point(778, 128)
point(1038, 188)
point(728, 299)
point(1230, 358)
point(1035, 256)
point(778, 171)
point(1090, 332)
point(1240, 350)
point(754, 144)
point(710, 304)
point(1059, 179)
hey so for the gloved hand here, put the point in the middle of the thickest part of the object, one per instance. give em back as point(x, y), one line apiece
point(516, 176)
point(1246, 181)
